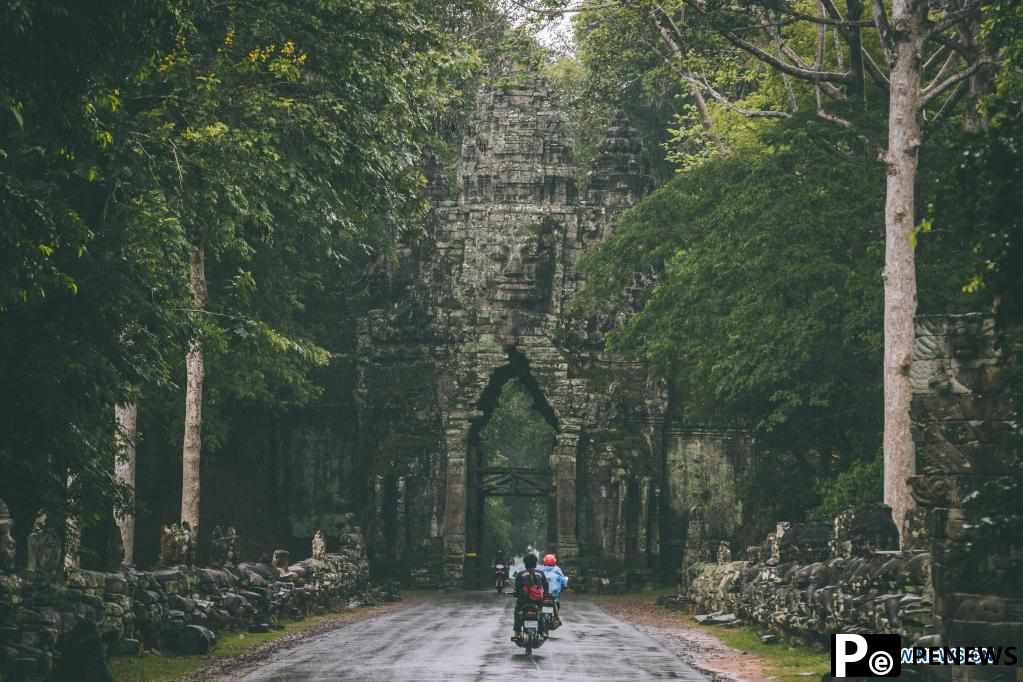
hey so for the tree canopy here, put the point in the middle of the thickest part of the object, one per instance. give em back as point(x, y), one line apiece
point(283, 137)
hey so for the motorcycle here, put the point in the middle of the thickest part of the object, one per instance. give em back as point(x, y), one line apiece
point(501, 577)
point(549, 614)
point(533, 631)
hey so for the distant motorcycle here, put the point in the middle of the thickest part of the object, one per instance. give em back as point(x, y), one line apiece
point(501, 577)
point(533, 631)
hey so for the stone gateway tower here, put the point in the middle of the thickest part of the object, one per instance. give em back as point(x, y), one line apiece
point(483, 300)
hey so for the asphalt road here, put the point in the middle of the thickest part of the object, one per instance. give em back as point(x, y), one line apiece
point(465, 636)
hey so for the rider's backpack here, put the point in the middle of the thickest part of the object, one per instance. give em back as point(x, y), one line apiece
point(533, 589)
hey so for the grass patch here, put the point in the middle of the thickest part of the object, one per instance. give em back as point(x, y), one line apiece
point(784, 661)
point(152, 668)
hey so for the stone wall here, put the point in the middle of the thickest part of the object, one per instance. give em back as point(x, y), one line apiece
point(706, 474)
point(44, 621)
point(968, 486)
point(806, 583)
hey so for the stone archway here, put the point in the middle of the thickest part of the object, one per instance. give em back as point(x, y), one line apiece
point(502, 271)
point(467, 411)
point(485, 480)
point(487, 297)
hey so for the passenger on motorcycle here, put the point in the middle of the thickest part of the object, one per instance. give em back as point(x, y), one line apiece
point(530, 587)
point(557, 580)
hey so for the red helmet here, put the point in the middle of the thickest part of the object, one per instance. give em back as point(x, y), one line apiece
point(550, 560)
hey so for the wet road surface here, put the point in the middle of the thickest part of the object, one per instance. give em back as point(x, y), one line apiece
point(465, 636)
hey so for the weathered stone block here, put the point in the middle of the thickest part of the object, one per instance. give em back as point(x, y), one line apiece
point(803, 542)
point(863, 531)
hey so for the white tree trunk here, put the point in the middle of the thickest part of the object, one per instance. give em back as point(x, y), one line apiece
point(904, 133)
point(126, 416)
point(196, 373)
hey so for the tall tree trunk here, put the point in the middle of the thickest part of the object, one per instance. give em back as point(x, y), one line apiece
point(904, 136)
point(126, 416)
point(196, 374)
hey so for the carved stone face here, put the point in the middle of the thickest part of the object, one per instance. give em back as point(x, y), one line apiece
point(8, 547)
point(522, 266)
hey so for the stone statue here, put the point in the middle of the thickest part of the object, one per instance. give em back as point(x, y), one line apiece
point(189, 541)
point(72, 543)
point(771, 552)
point(724, 552)
point(281, 561)
point(176, 544)
point(44, 549)
point(8, 547)
point(319, 546)
point(225, 548)
point(217, 550)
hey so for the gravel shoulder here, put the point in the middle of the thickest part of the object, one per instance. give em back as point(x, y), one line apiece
point(696, 647)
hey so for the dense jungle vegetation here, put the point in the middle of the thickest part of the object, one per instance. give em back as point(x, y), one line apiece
point(197, 198)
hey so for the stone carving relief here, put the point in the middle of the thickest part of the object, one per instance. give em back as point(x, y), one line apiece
point(8, 547)
point(176, 545)
point(44, 549)
point(724, 552)
point(226, 546)
point(319, 550)
point(524, 259)
point(281, 561)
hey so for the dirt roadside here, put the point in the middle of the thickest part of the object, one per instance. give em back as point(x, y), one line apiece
point(701, 650)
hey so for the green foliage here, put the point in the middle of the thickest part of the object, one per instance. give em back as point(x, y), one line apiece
point(498, 523)
point(280, 137)
point(861, 484)
point(516, 432)
point(767, 303)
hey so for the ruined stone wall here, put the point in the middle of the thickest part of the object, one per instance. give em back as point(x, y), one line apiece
point(807, 584)
point(176, 609)
point(963, 544)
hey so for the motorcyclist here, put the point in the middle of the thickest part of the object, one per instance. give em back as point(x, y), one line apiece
point(500, 570)
point(557, 580)
point(530, 577)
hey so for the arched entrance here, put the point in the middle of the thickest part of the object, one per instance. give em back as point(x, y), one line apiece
point(511, 497)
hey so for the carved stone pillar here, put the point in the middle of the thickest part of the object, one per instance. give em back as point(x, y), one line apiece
point(563, 461)
point(456, 435)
